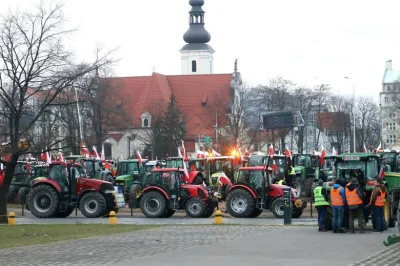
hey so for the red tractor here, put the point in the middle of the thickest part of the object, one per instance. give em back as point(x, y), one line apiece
point(192, 177)
point(254, 192)
point(166, 191)
point(65, 189)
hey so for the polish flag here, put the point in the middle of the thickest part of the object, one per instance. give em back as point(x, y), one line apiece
point(139, 156)
point(365, 149)
point(180, 152)
point(85, 151)
point(43, 156)
point(334, 152)
point(288, 153)
point(48, 158)
point(322, 158)
point(381, 173)
point(95, 153)
point(271, 151)
point(102, 156)
point(274, 166)
point(379, 147)
point(60, 157)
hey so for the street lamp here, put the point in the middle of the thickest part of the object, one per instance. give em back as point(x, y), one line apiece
point(354, 117)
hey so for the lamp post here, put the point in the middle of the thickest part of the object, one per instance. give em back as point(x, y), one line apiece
point(354, 116)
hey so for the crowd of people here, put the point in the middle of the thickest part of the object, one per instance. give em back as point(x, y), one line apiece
point(352, 197)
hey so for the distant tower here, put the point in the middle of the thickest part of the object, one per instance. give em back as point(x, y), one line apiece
point(196, 55)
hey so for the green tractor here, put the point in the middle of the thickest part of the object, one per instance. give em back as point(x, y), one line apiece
point(365, 168)
point(22, 177)
point(390, 160)
point(130, 174)
point(306, 167)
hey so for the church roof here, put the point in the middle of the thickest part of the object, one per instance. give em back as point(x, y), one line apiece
point(391, 76)
point(199, 97)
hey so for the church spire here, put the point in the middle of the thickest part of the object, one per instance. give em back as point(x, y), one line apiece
point(196, 32)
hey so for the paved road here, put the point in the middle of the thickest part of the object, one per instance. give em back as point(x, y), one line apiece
point(211, 245)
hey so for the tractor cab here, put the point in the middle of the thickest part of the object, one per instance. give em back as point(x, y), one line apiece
point(176, 162)
point(389, 161)
point(328, 169)
point(197, 164)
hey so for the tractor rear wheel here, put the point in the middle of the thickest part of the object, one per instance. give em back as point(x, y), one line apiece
point(22, 195)
point(134, 195)
point(153, 204)
point(93, 205)
point(195, 207)
point(256, 213)
point(278, 207)
point(297, 184)
point(12, 193)
point(328, 218)
point(168, 213)
point(240, 203)
point(43, 201)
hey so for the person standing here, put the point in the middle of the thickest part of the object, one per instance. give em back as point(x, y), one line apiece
point(355, 200)
point(338, 200)
point(378, 198)
point(321, 203)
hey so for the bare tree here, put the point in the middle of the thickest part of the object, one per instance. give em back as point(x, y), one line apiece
point(34, 65)
point(368, 124)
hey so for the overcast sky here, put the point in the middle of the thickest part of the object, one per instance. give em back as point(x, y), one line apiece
point(306, 41)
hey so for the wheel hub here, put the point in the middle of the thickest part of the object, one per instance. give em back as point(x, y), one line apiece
point(280, 208)
point(91, 206)
point(195, 207)
point(42, 201)
point(239, 204)
point(152, 205)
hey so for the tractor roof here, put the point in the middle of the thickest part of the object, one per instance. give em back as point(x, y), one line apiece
point(220, 158)
point(132, 161)
point(252, 168)
point(167, 170)
point(357, 156)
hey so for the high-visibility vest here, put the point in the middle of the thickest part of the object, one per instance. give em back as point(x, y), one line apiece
point(352, 197)
point(280, 182)
point(380, 200)
point(319, 198)
point(292, 172)
point(336, 198)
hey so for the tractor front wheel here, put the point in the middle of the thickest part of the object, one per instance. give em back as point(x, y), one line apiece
point(297, 184)
point(195, 207)
point(93, 205)
point(43, 201)
point(12, 193)
point(278, 207)
point(23, 195)
point(240, 203)
point(134, 195)
point(153, 205)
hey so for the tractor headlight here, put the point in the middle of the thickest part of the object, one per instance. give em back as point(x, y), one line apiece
point(110, 192)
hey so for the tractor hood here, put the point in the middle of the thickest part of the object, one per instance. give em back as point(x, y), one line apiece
point(94, 181)
point(299, 168)
point(281, 187)
point(123, 177)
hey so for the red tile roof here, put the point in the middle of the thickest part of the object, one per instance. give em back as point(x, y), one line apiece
point(333, 122)
point(199, 97)
point(117, 137)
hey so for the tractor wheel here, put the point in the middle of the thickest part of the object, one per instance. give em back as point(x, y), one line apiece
point(328, 218)
point(390, 222)
point(277, 207)
point(195, 207)
point(12, 193)
point(43, 201)
point(297, 212)
point(134, 195)
point(240, 203)
point(93, 205)
point(298, 185)
point(153, 204)
point(256, 213)
point(22, 195)
point(307, 186)
point(65, 214)
point(168, 213)
point(109, 178)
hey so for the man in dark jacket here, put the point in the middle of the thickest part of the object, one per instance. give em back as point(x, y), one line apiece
point(378, 198)
point(355, 201)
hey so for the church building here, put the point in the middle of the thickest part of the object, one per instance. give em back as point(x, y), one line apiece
point(202, 96)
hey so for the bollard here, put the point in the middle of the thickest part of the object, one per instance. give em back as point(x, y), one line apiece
point(218, 217)
point(11, 219)
point(112, 218)
point(287, 215)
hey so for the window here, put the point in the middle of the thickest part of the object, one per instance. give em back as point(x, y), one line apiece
point(386, 99)
point(194, 66)
point(388, 88)
point(145, 122)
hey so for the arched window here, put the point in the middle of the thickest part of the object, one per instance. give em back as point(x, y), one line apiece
point(145, 122)
point(194, 66)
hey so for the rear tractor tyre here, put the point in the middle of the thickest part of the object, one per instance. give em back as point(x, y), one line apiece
point(153, 205)
point(23, 195)
point(93, 205)
point(195, 207)
point(297, 212)
point(209, 211)
point(328, 218)
point(278, 207)
point(43, 201)
point(168, 213)
point(256, 213)
point(134, 195)
point(12, 193)
point(240, 203)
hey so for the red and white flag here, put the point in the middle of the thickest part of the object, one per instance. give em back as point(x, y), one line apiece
point(274, 166)
point(43, 156)
point(381, 173)
point(139, 156)
point(334, 152)
point(95, 153)
point(365, 149)
point(102, 156)
point(85, 151)
point(48, 158)
point(60, 157)
point(322, 158)
point(271, 151)
point(288, 153)
point(379, 147)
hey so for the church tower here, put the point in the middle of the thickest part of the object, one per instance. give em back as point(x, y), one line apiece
point(196, 55)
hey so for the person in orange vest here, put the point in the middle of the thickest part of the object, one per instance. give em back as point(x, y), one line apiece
point(338, 200)
point(355, 201)
point(378, 197)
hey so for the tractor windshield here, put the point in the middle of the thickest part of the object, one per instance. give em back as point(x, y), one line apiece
point(303, 160)
point(176, 163)
point(40, 171)
point(90, 168)
point(391, 162)
point(128, 168)
point(199, 164)
point(256, 160)
point(252, 177)
point(167, 180)
point(362, 170)
point(223, 165)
